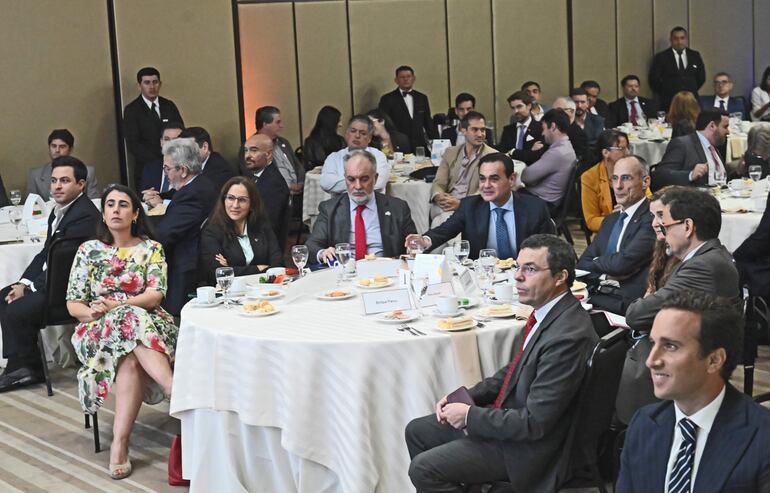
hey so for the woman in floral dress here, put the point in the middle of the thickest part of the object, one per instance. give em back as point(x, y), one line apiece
point(115, 289)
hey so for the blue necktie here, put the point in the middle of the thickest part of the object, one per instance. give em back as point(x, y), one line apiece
point(679, 481)
point(520, 137)
point(612, 244)
point(163, 183)
point(504, 249)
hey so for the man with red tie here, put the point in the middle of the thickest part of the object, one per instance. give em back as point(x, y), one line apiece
point(369, 221)
point(516, 430)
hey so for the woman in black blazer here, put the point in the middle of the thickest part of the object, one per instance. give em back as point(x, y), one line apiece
point(238, 216)
point(386, 136)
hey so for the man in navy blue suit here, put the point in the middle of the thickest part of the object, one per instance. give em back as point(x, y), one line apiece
point(479, 216)
point(153, 178)
point(721, 99)
point(705, 436)
point(178, 230)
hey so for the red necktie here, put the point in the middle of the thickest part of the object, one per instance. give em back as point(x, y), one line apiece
point(715, 157)
point(634, 114)
point(531, 321)
point(360, 233)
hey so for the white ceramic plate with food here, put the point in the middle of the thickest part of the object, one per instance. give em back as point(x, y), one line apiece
point(335, 295)
point(266, 294)
point(375, 285)
point(242, 312)
point(465, 325)
point(397, 317)
point(578, 286)
point(206, 304)
point(499, 311)
point(456, 313)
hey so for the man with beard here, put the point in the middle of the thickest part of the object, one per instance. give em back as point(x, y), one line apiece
point(521, 135)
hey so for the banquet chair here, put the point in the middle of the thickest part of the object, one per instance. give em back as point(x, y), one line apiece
point(594, 406)
point(756, 329)
point(58, 264)
point(560, 216)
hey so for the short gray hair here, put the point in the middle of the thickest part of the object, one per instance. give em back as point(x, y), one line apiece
point(568, 102)
point(362, 119)
point(183, 153)
point(644, 167)
point(363, 153)
point(759, 140)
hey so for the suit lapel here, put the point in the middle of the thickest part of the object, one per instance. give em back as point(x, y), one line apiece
point(729, 436)
point(635, 221)
point(342, 226)
point(699, 149)
point(384, 216)
point(520, 218)
point(659, 445)
point(404, 107)
point(482, 219)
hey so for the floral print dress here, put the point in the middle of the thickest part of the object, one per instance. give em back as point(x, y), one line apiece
point(104, 271)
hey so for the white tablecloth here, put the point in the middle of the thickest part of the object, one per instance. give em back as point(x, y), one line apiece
point(315, 391)
point(737, 226)
point(652, 151)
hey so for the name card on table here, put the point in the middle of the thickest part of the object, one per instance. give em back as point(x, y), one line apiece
point(466, 279)
point(385, 301)
point(435, 291)
point(434, 267)
point(387, 267)
point(34, 208)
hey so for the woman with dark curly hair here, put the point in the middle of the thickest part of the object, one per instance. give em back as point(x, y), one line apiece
point(386, 136)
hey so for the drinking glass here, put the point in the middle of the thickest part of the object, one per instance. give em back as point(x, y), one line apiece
point(462, 250)
point(225, 277)
point(488, 258)
point(720, 178)
point(419, 288)
point(484, 277)
point(755, 172)
point(419, 154)
point(15, 196)
point(299, 255)
point(14, 215)
point(344, 255)
point(661, 116)
point(414, 247)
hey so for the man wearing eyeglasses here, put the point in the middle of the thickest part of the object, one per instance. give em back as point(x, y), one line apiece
point(273, 190)
point(722, 99)
point(690, 220)
point(620, 255)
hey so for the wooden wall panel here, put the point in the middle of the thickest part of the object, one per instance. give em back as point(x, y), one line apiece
point(269, 64)
point(526, 36)
point(708, 32)
point(635, 42)
point(470, 53)
point(323, 61)
point(191, 43)
point(56, 73)
point(666, 15)
point(594, 44)
point(384, 35)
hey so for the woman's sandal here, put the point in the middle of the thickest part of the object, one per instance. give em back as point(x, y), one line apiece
point(120, 471)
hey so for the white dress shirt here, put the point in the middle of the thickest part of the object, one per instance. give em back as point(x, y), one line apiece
point(510, 225)
point(713, 165)
point(640, 116)
point(409, 101)
point(540, 315)
point(333, 171)
point(243, 241)
point(717, 99)
point(372, 223)
point(705, 420)
point(150, 103)
point(676, 57)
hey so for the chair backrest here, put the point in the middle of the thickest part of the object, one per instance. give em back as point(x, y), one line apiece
point(596, 399)
point(61, 253)
point(561, 214)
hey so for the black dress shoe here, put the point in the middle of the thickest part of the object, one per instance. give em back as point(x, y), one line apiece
point(19, 378)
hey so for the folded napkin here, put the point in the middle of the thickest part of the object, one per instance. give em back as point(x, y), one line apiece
point(466, 351)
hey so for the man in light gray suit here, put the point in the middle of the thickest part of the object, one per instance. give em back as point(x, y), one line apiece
point(60, 143)
point(690, 220)
point(693, 160)
point(516, 429)
point(369, 221)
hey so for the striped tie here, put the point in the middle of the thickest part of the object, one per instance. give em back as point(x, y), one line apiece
point(679, 482)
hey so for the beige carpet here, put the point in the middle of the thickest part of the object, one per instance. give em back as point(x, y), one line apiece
point(44, 446)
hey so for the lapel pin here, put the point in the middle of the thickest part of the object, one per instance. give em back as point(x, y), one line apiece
point(387, 213)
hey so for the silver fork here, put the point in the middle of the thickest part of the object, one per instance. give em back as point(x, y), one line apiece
point(411, 330)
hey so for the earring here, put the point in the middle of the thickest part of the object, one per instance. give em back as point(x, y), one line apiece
point(134, 221)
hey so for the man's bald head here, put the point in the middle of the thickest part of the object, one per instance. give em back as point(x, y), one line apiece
point(258, 152)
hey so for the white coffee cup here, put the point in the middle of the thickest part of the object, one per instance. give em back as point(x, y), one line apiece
point(398, 156)
point(504, 292)
point(253, 290)
point(238, 286)
point(447, 304)
point(205, 294)
point(736, 184)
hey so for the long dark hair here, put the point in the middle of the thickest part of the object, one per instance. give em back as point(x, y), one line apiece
point(256, 215)
point(763, 83)
point(139, 229)
point(325, 128)
point(380, 115)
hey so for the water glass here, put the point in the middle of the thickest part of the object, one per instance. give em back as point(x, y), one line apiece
point(419, 153)
point(419, 288)
point(462, 250)
point(755, 173)
point(488, 258)
point(414, 247)
point(14, 215)
point(661, 116)
point(225, 277)
point(344, 255)
point(484, 278)
point(299, 254)
point(720, 178)
point(15, 196)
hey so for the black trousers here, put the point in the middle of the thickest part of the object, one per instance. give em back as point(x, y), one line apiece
point(444, 458)
point(20, 323)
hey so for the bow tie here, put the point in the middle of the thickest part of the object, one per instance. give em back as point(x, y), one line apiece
point(406, 93)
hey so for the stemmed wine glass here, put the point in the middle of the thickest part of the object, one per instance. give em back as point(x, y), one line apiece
point(15, 196)
point(344, 255)
point(419, 288)
point(225, 278)
point(14, 215)
point(487, 261)
point(299, 255)
point(462, 250)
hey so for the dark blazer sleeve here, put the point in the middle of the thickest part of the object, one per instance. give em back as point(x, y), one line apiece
point(406, 227)
point(180, 216)
point(700, 73)
point(754, 247)
point(636, 252)
point(430, 129)
point(400, 142)
point(507, 139)
point(671, 169)
point(453, 226)
point(218, 170)
point(132, 123)
point(320, 237)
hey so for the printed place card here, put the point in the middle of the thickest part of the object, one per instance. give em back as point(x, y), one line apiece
point(466, 280)
point(435, 291)
point(434, 267)
point(385, 301)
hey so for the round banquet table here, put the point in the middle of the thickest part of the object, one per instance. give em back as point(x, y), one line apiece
point(739, 220)
point(314, 398)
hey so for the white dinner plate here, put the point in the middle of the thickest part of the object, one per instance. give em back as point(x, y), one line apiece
point(387, 283)
point(471, 324)
point(437, 313)
point(195, 302)
point(322, 295)
point(262, 295)
point(484, 313)
point(244, 313)
point(408, 317)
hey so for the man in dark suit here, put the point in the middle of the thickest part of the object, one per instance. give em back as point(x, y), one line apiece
point(372, 223)
point(722, 99)
point(409, 109)
point(690, 220)
point(518, 138)
point(596, 105)
point(268, 122)
point(61, 142)
point(496, 218)
point(675, 69)
point(517, 428)
point(153, 178)
point(464, 103)
point(705, 435)
point(631, 107)
point(753, 258)
point(693, 160)
point(622, 250)
point(178, 230)
point(273, 190)
point(591, 124)
point(143, 119)
point(21, 304)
